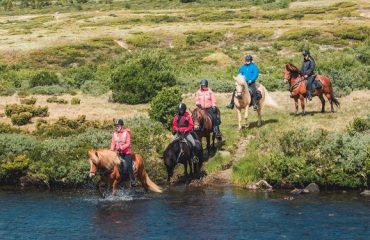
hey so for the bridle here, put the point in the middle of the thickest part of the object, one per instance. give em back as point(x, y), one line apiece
point(239, 94)
point(295, 85)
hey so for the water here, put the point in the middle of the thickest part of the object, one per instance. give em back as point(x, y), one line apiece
point(183, 213)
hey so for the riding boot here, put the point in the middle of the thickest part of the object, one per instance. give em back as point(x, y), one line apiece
point(254, 102)
point(218, 134)
point(231, 104)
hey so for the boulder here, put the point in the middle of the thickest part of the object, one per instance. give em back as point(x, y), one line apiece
point(296, 191)
point(366, 193)
point(311, 188)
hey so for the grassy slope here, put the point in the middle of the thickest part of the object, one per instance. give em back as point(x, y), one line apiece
point(231, 29)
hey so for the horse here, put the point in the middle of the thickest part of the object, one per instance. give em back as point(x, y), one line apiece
point(105, 162)
point(203, 126)
point(178, 151)
point(243, 100)
point(297, 88)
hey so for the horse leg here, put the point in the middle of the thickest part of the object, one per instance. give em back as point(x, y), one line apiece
point(191, 167)
point(259, 124)
point(239, 118)
point(213, 140)
point(99, 188)
point(246, 116)
point(296, 105)
point(321, 96)
point(186, 172)
point(331, 102)
point(301, 98)
point(114, 187)
point(208, 138)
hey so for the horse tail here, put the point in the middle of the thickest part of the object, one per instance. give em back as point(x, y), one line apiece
point(268, 99)
point(332, 96)
point(149, 184)
point(143, 176)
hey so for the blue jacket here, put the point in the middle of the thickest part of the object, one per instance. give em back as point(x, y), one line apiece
point(250, 72)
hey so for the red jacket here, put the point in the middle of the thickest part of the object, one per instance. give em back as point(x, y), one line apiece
point(185, 123)
point(121, 141)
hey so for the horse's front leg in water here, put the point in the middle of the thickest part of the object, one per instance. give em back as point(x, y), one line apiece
point(99, 186)
point(114, 187)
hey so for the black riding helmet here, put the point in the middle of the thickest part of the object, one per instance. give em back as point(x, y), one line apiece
point(249, 57)
point(182, 108)
point(118, 121)
point(306, 52)
point(204, 82)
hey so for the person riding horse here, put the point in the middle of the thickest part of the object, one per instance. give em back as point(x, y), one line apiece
point(308, 68)
point(121, 144)
point(183, 125)
point(250, 72)
point(205, 99)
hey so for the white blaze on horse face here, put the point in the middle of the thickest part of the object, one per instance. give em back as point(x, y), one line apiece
point(239, 89)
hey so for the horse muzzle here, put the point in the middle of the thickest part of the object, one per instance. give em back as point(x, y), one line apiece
point(286, 80)
point(92, 174)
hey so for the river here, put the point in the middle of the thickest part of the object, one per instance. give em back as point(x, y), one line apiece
point(183, 213)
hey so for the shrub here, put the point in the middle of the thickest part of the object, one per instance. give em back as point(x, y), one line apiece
point(75, 101)
point(21, 119)
point(83, 74)
point(13, 169)
point(164, 106)
point(49, 90)
point(55, 99)
point(28, 101)
point(44, 78)
point(142, 40)
point(22, 93)
point(94, 88)
point(39, 111)
point(359, 125)
point(141, 77)
point(6, 88)
point(7, 128)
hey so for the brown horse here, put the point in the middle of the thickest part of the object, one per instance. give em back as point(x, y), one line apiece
point(203, 126)
point(105, 162)
point(297, 88)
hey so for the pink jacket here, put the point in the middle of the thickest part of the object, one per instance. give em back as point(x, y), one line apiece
point(121, 141)
point(205, 99)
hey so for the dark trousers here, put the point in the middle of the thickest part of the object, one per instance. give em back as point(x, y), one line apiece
point(127, 158)
point(310, 86)
point(253, 89)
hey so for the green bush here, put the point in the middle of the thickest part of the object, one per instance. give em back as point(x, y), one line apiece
point(44, 78)
point(49, 90)
point(6, 88)
point(140, 78)
point(142, 40)
point(94, 88)
point(39, 111)
point(12, 169)
point(7, 128)
point(75, 101)
point(22, 118)
point(83, 74)
point(28, 101)
point(164, 106)
point(359, 125)
point(55, 99)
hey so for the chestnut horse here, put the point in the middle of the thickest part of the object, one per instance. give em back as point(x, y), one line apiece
point(297, 88)
point(203, 126)
point(242, 99)
point(105, 162)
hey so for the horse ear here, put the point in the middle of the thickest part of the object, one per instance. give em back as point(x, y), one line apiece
point(97, 154)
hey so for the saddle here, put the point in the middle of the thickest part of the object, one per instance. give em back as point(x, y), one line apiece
point(123, 168)
point(259, 96)
point(213, 116)
point(316, 83)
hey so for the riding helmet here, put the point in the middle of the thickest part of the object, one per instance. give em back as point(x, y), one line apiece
point(118, 121)
point(306, 52)
point(204, 82)
point(249, 57)
point(182, 107)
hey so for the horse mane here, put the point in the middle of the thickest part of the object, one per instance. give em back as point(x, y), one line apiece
point(109, 157)
point(240, 80)
point(293, 69)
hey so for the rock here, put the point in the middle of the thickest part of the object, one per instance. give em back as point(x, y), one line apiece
point(262, 184)
point(366, 193)
point(296, 191)
point(311, 188)
point(30, 181)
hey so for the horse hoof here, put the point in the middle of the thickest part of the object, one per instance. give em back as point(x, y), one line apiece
point(259, 124)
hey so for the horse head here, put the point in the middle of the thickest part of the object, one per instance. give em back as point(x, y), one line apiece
point(290, 71)
point(94, 162)
point(240, 86)
point(101, 159)
point(197, 118)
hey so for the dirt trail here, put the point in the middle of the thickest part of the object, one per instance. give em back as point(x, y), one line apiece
point(223, 177)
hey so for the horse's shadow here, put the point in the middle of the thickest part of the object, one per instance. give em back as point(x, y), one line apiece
point(255, 124)
point(311, 113)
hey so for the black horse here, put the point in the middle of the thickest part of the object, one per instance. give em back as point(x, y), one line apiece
point(179, 151)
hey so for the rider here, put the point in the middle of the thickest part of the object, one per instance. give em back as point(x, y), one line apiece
point(308, 68)
point(183, 124)
point(250, 72)
point(205, 99)
point(121, 143)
